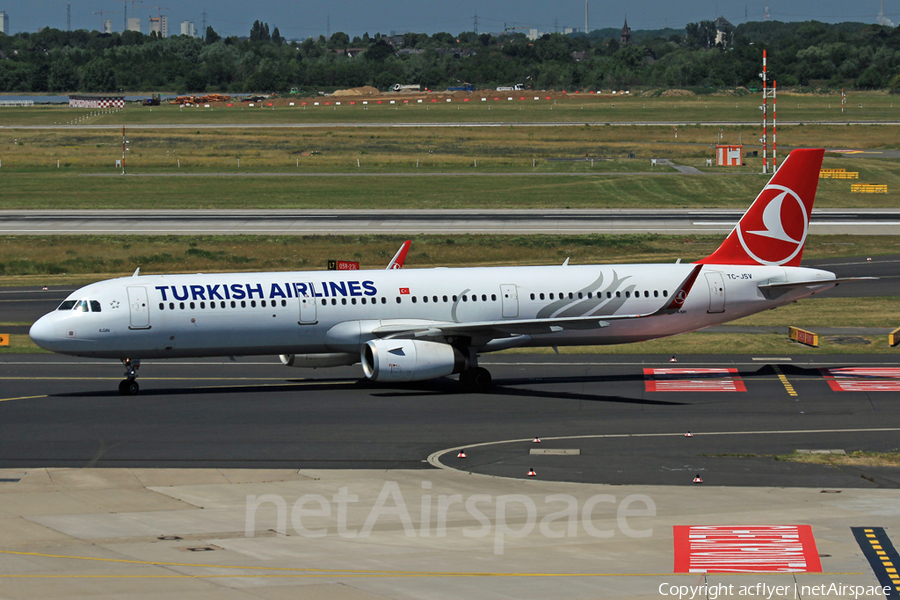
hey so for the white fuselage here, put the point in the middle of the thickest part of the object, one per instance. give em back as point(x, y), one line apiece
point(170, 316)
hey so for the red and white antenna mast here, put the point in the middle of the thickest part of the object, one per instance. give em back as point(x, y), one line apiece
point(767, 93)
point(774, 125)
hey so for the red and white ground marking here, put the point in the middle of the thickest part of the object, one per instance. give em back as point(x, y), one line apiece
point(716, 379)
point(863, 379)
point(746, 549)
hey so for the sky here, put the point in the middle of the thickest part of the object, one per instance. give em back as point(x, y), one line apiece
point(299, 19)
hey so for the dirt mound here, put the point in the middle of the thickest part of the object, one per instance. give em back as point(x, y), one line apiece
point(669, 93)
point(365, 90)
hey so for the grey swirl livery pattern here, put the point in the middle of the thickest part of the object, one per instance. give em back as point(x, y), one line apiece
point(585, 307)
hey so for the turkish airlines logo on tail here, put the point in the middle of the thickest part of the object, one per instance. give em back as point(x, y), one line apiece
point(775, 229)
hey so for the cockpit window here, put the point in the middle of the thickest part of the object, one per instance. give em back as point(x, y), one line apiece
point(95, 306)
point(67, 305)
point(82, 306)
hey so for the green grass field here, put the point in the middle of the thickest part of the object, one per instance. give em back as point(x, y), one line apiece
point(570, 108)
point(50, 168)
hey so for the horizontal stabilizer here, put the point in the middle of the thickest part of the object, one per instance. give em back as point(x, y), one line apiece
point(779, 288)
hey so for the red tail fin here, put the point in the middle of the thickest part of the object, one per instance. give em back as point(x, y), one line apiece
point(773, 230)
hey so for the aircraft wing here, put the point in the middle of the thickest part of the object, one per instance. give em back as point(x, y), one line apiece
point(511, 327)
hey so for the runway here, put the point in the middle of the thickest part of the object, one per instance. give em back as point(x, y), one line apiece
point(254, 412)
point(512, 222)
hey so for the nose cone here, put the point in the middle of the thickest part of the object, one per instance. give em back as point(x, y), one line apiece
point(41, 333)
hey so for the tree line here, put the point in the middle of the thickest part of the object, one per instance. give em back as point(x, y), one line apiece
point(808, 54)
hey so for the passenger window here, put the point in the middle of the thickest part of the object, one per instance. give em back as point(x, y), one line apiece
point(263, 303)
point(571, 295)
point(484, 297)
point(591, 295)
point(465, 298)
point(162, 306)
point(362, 300)
point(532, 295)
point(384, 300)
point(171, 306)
point(609, 295)
point(542, 295)
point(333, 302)
point(579, 296)
point(344, 301)
point(628, 294)
point(352, 300)
point(445, 298)
point(398, 300)
point(413, 299)
point(618, 294)
point(324, 302)
point(95, 306)
point(656, 293)
point(455, 298)
point(203, 305)
point(434, 299)
point(284, 303)
point(181, 305)
point(474, 297)
point(253, 304)
point(425, 299)
point(493, 297)
point(551, 295)
point(665, 294)
point(67, 305)
point(193, 306)
point(233, 304)
point(243, 304)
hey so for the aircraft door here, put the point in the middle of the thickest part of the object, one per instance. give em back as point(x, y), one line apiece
point(510, 297)
point(307, 307)
point(139, 307)
point(716, 282)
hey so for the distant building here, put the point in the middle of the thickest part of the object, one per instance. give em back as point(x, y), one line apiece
point(533, 34)
point(625, 37)
point(107, 26)
point(96, 101)
point(187, 28)
point(160, 25)
point(134, 24)
point(4, 23)
point(724, 31)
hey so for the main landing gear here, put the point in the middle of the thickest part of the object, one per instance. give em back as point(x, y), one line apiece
point(477, 379)
point(130, 387)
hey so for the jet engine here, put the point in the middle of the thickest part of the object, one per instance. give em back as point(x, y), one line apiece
point(315, 361)
point(410, 360)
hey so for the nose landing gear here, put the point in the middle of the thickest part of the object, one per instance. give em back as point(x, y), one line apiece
point(130, 387)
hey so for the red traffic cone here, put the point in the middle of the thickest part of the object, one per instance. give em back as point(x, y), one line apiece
point(462, 454)
point(673, 359)
point(531, 472)
point(536, 440)
point(697, 479)
point(689, 434)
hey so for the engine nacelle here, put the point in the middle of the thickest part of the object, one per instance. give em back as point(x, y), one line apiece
point(410, 360)
point(316, 361)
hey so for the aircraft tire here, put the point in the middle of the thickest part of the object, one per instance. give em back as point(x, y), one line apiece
point(475, 380)
point(129, 387)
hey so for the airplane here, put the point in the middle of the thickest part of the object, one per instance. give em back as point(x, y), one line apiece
point(419, 324)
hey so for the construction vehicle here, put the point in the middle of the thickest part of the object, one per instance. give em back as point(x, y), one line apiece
point(151, 101)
